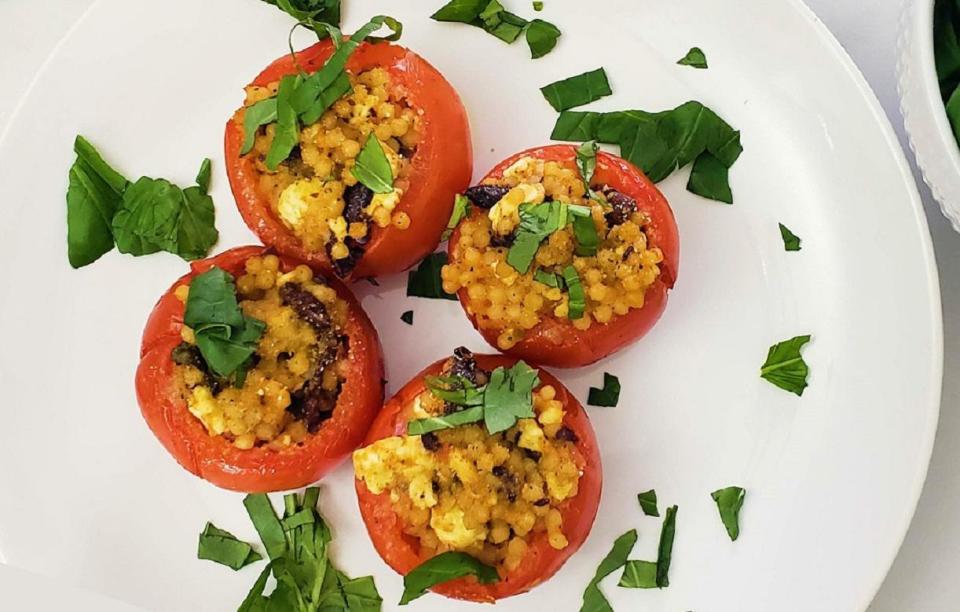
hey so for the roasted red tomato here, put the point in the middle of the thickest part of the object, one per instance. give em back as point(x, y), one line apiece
point(522, 500)
point(571, 306)
point(310, 391)
point(311, 206)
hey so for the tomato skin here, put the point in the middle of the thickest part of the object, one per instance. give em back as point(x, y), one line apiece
point(556, 342)
point(401, 552)
point(441, 167)
point(256, 470)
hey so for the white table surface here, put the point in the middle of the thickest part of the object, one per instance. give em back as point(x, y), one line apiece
point(924, 576)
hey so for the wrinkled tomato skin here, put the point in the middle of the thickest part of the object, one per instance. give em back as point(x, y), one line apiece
point(441, 167)
point(402, 552)
point(259, 469)
point(556, 342)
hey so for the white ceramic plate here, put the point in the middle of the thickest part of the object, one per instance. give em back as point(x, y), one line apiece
point(89, 496)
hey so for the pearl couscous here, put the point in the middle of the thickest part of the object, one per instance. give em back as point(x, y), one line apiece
point(314, 192)
point(614, 280)
point(463, 489)
point(296, 376)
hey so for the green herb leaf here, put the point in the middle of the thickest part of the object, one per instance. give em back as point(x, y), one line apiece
point(340, 87)
point(537, 5)
point(372, 167)
point(212, 300)
point(361, 595)
point(577, 91)
point(419, 427)
point(298, 519)
point(455, 390)
point(203, 176)
point(265, 521)
point(93, 196)
point(785, 366)
point(695, 58)
point(509, 396)
point(639, 575)
point(460, 11)
point(425, 281)
point(541, 37)
point(287, 133)
point(461, 210)
point(226, 350)
point(254, 601)
point(648, 502)
point(577, 298)
point(609, 395)
point(584, 230)
point(224, 548)
point(549, 279)
point(506, 26)
point(791, 242)
point(587, 162)
point(593, 599)
point(537, 221)
point(729, 501)
point(327, 11)
point(665, 549)
point(256, 115)
point(710, 178)
point(407, 317)
point(443, 568)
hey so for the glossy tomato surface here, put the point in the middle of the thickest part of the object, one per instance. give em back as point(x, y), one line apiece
point(402, 552)
point(441, 167)
point(259, 469)
point(556, 342)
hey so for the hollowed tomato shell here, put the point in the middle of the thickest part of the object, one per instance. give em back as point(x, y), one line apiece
point(402, 552)
point(441, 167)
point(556, 342)
point(259, 469)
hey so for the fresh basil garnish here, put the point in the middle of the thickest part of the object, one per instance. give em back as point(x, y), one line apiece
point(593, 598)
point(537, 221)
point(587, 162)
point(313, 13)
point(660, 143)
point(648, 502)
point(501, 23)
point(537, 5)
point(93, 197)
point(256, 115)
point(785, 366)
point(639, 575)
point(791, 242)
point(493, 18)
point(541, 37)
point(467, 416)
point(577, 302)
point(549, 279)
point(225, 336)
point(461, 210)
point(455, 390)
point(287, 133)
point(372, 167)
point(609, 395)
point(729, 501)
point(224, 548)
point(695, 58)
point(584, 230)
point(442, 568)
point(407, 317)
point(425, 281)
point(577, 91)
point(665, 548)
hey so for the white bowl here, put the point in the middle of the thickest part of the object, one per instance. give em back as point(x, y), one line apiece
point(928, 128)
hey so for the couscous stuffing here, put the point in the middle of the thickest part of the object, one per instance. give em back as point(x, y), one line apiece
point(614, 279)
point(462, 489)
point(296, 373)
point(314, 192)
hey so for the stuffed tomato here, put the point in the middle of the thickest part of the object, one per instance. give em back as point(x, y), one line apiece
point(522, 499)
point(550, 271)
point(257, 374)
point(312, 205)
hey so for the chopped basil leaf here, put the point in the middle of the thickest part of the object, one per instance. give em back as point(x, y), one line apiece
point(443, 568)
point(311, 12)
point(212, 300)
point(541, 37)
point(785, 366)
point(425, 281)
point(587, 162)
point(639, 575)
point(609, 395)
point(261, 113)
point(729, 501)
point(455, 390)
point(584, 230)
point(710, 178)
point(648, 502)
point(372, 167)
point(361, 595)
point(419, 427)
point(224, 548)
point(593, 598)
point(523, 250)
point(665, 549)
point(203, 176)
point(460, 11)
point(695, 58)
point(537, 5)
point(461, 210)
point(791, 242)
point(547, 278)
point(265, 521)
point(407, 317)
point(254, 601)
point(93, 196)
point(287, 133)
point(509, 396)
point(227, 350)
point(340, 87)
point(537, 221)
point(501, 23)
point(660, 143)
point(297, 519)
point(577, 298)
point(577, 91)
